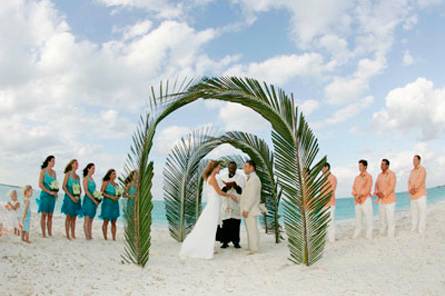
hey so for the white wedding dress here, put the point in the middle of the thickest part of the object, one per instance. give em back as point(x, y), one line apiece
point(200, 242)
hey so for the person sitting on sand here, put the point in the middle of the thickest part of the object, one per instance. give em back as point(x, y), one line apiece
point(26, 217)
point(13, 207)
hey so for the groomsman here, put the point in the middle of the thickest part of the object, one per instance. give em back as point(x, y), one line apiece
point(230, 208)
point(332, 187)
point(361, 190)
point(386, 198)
point(250, 205)
point(417, 191)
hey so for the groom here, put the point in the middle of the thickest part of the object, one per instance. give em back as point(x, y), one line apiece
point(250, 205)
point(230, 208)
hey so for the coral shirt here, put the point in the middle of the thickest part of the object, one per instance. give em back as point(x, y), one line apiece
point(417, 180)
point(386, 184)
point(362, 187)
point(332, 187)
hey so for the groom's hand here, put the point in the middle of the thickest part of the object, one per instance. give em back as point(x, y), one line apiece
point(245, 214)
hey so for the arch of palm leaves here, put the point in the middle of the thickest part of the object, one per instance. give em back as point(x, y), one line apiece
point(291, 172)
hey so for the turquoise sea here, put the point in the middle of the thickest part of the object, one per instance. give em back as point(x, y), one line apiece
point(344, 208)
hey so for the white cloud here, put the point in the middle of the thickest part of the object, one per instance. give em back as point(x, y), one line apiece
point(309, 106)
point(281, 69)
point(417, 106)
point(161, 8)
point(238, 117)
point(407, 58)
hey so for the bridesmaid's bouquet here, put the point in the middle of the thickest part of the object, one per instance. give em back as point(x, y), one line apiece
point(97, 196)
point(119, 192)
point(76, 190)
point(54, 186)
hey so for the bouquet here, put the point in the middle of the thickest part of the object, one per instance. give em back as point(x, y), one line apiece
point(119, 192)
point(54, 186)
point(97, 196)
point(76, 190)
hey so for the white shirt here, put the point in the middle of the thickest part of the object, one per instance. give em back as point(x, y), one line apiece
point(230, 209)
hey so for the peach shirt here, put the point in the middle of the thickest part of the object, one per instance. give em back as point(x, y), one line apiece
point(362, 187)
point(417, 181)
point(386, 184)
point(332, 180)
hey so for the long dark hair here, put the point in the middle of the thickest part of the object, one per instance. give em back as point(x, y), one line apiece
point(130, 177)
point(46, 162)
point(108, 175)
point(87, 168)
point(69, 166)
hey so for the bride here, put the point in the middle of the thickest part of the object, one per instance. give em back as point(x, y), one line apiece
point(201, 241)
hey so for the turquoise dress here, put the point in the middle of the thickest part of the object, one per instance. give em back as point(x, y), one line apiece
point(47, 202)
point(132, 190)
point(27, 221)
point(69, 207)
point(110, 208)
point(89, 207)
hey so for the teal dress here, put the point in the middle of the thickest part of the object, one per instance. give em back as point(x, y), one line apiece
point(27, 221)
point(46, 202)
point(110, 208)
point(132, 190)
point(69, 207)
point(89, 207)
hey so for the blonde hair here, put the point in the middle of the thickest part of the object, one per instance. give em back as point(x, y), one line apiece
point(26, 189)
point(69, 166)
point(211, 166)
point(11, 192)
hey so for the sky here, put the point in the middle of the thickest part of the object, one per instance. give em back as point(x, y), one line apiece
point(75, 75)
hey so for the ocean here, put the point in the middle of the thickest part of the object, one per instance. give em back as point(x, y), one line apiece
point(344, 207)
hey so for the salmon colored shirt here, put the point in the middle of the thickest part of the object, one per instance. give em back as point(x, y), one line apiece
point(417, 181)
point(332, 183)
point(362, 187)
point(386, 184)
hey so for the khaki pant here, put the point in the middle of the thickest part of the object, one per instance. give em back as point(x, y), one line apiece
point(253, 236)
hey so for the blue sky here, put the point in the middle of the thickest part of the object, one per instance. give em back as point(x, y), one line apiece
point(368, 74)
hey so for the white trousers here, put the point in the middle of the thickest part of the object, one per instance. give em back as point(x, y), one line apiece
point(253, 236)
point(418, 214)
point(331, 226)
point(386, 219)
point(363, 212)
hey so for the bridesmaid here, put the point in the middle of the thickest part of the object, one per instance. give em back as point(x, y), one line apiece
point(71, 206)
point(26, 217)
point(110, 204)
point(131, 186)
point(90, 203)
point(48, 194)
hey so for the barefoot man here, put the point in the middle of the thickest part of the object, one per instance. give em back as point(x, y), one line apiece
point(417, 191)
point(385, 187)
point(249, 203)
point(361, 190)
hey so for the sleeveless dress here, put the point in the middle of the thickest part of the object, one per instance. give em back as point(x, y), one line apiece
point(27, 221)
point(69, 207)
point(110, 208)
point(89, 207)
point(47, 202)
point(201, 241)
point(132, 190)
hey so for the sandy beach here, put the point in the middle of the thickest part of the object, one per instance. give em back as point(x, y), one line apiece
point(408, 265)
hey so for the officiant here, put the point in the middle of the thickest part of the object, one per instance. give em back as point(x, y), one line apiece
point(234, 182)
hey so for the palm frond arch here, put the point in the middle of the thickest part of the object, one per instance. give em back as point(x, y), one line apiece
point(295, 152)
point(182, 176)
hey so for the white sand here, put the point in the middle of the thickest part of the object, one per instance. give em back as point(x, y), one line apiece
point(408, 265)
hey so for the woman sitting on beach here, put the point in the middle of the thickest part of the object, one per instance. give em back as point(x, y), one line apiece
point(110, 204)
point(26, 217)
point(48, 194)
point(13, 207)
point(71, 206)
point(90, 202)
